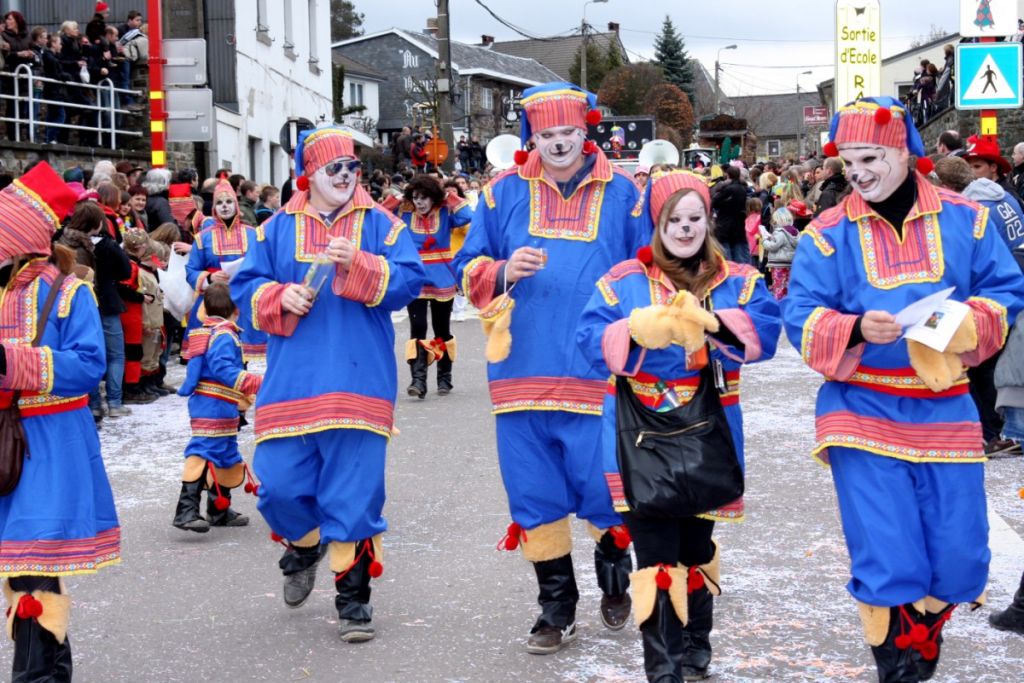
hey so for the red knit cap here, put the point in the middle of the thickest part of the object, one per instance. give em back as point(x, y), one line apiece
point(664, 185)
point(866, 122)
point(31, 210)
point(325, 145)
point(102, 7)
point(551, 108)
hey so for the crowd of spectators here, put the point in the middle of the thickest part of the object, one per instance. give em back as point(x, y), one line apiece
point(67, 60)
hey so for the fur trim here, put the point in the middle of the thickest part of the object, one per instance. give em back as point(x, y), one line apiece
point(496, 319)
point(644, 590)
point(56, 610)
point(410, 349)
point(451, 348)
point(194, 468)
point(548, 541)
point(227, 478)
point(245, 403)
point(934, 605)
point(965, 339)
point(595, 533)
point(932, 366)
point(979, 601)
point(712, 572)
point(310, 539)
point(341, 555)
point(875, 621)
point(651, 326)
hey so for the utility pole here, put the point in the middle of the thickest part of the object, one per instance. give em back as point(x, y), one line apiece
point(583, 51)
point(157, 115)
point(444, 83)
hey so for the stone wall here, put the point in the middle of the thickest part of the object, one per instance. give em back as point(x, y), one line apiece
point(17, 155)
point(1010, 127)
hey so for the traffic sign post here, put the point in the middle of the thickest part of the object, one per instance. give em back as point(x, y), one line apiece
point(189, 114)
point(858, 50)
point(184, 61)
point(989, 76)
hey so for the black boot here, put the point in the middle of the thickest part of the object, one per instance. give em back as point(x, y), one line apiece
point(38, 657)
point(1011, 618)
point(613, 565)
point(299, 568)
point(697, 635)
point(151, 383)
point(558, 595)
point(444, 375)
point(353, 599)
point(895, 663)
point(663, 642)
point(418, 367)
point(927, 657)
point(187, 515)
point(225, 517)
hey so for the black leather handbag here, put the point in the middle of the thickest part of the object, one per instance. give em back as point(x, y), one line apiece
point(677, 463)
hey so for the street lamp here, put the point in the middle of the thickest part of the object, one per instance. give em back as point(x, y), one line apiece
point(583, 50)
point(717, 69)
point(800, 118)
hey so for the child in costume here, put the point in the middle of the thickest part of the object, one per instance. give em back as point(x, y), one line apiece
point(894, 419)
point(647, 321)
point(542, 234)
point(323, 286)
point(431, 214)
point(217, 385)
point(779, 247)
point(60, 519)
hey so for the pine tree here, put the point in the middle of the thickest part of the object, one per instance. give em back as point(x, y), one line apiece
point(346, 22)
point(670, 55)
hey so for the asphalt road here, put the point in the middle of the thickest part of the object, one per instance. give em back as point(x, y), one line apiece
point(449, 607)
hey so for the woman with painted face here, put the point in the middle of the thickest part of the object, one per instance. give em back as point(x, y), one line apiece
point(431, 213)
point(648, 322)
point(223, 238)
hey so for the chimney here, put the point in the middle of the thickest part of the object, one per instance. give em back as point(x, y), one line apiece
point(613, 26)
point(431, 26)
point(486, 40)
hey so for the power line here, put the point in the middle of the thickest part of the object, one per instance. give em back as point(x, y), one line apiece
point(784, 66)
point(507, 24)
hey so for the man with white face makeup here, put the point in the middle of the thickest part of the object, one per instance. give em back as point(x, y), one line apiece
point(549, 229)
point(325, 411)
point(895, 419)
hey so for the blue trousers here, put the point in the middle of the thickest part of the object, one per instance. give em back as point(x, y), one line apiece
point(333, 480)
point(912, 529)
point(551, 466)
point(113, 338)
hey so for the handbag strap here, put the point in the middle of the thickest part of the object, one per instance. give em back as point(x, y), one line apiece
point(51, 298)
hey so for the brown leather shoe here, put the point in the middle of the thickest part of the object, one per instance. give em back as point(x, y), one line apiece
point(615, 611)
point(548, 640)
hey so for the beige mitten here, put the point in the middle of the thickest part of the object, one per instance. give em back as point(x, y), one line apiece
point(965, 339)
point(651, 326)
point(931, 366)
point(496, 319)
point(690, 322)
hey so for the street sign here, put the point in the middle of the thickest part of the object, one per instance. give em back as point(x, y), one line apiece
point(858, 51)
point(189, 114)
point(988, 18)
point(186, 61)
point(815, 116)
point(988, 76)
point(289, 135)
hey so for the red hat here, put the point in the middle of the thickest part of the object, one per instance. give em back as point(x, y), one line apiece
point(31, 210)
point(664, 185)
point(798, 208)
point(988, 150)
point(179, 196)
point(102, 7)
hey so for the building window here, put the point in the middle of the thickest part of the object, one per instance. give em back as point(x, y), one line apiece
point(289, 29)
point(486, 99)
point(262, 23)
point(355, 94)
point(774, 148)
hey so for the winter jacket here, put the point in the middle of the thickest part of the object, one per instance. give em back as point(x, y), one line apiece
point(1003, 209)
point(1009, 375)
point(779, 245)
point(248, 210)
point(85, 256)
point(832, 189)
point(730, 204)
point(18, 43)
point(52, 68)
point(158, 211)
point(112, 266)
point(1017, 178)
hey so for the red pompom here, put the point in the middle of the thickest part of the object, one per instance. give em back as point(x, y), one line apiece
point(918, 633)
point(644, 255)
point(302, 182)
point(830, 149)
point(376, 569)
point(663, 580)
point(221, 503)
point(694, 580)
point(589, 147)
point(620, 535)
point(276, 538)
point(925, 166)
point(593, 117)
point(902, 642)
point(511, 540)
point(29, 607)
point(520, 157)
point(248, 488)
point(928, 650)
point(883, 116)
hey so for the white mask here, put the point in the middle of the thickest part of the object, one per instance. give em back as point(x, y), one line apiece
point(225, 207)
point(560, 146)
point(875, 171)
point(332, 192)
point(686, 226)
point(423, 204)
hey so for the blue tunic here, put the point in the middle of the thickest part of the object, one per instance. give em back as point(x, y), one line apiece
point(433, 237)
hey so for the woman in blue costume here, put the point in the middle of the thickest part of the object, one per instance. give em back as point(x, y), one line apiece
point(60, 519)
point(647, 321)
point(894, 418)
point(223, 238)
point(216, 382)
point(431, 214)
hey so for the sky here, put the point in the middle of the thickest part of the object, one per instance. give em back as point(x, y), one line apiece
point(796, 35)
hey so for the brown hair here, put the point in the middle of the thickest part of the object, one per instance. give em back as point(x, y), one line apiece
point(711, 254)
point(88, 216)
point(167, 233)
point(754, 205)
point(954, 173)
point(63, 257)
point(428, 186)
point(110, 195)
point(217, 300)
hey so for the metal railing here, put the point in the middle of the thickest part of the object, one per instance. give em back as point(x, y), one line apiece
point(105, 105)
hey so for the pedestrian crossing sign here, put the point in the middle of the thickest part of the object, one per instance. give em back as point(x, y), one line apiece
point(988, 76)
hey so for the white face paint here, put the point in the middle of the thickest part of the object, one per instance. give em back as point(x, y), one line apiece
point(423, 204)
point(684, 230)
point(561, 146)
point(225, 207)
point(331, 192)
point(875, 172)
